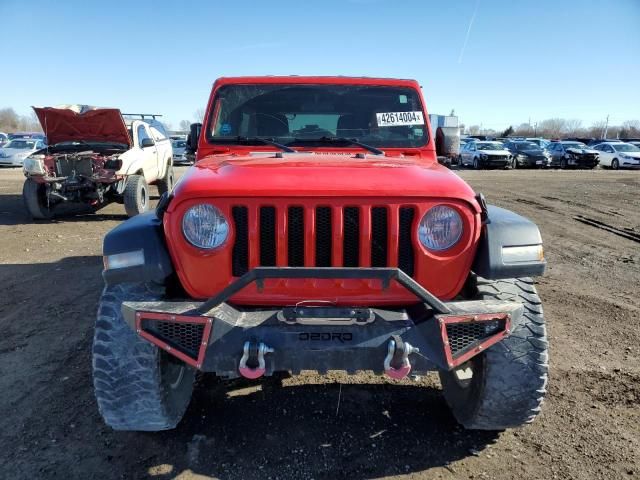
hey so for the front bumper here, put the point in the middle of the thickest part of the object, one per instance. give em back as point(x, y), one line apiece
point(214, 336)
point(495, 163)
point(11, 161)
point(630, 164)
point(583, 162)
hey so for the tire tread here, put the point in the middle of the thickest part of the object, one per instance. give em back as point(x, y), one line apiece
point(126, 369)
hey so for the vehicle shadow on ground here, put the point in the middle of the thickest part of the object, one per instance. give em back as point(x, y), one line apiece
point(240, 430)
point(14, 212)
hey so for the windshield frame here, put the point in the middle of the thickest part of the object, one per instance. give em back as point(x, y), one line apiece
point(27, 141)
point(634, 148)
point(499, 145)
point(580, 145)
point(231, 142)
point(523, 146)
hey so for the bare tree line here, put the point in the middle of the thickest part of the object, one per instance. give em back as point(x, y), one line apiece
point(10, 121)
point(562, 127)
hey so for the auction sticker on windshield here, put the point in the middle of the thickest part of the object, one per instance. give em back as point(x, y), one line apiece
point(392, 119)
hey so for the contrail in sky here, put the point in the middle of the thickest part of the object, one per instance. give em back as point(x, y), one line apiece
point(466, 38)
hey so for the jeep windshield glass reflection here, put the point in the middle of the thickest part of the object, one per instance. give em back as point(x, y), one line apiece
point(379, 116)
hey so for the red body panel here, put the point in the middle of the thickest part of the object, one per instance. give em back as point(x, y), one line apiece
point(228, 176)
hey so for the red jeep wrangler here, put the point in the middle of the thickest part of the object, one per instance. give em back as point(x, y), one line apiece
point(318, 232)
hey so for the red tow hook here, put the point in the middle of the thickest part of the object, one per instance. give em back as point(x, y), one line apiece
point(399, 351)
point(258, 353)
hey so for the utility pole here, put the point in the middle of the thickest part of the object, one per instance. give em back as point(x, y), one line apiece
point(535, 129)
point(606, 127)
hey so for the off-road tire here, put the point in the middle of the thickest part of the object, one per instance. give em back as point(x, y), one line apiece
point(138, 386)
point(615, 164)
point(136, 195)
point(35, 200)
point(510, 378)
point(165, 184)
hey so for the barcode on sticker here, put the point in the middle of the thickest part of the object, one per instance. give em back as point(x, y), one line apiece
point(392, 119)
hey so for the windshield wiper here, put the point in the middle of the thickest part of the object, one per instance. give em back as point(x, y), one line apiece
point(266, 141)
point(350, 141)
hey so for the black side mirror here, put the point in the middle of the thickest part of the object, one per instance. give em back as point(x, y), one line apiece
point(147, 142)
point(194, 135)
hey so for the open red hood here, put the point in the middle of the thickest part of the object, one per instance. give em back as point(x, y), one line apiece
point(66, 123)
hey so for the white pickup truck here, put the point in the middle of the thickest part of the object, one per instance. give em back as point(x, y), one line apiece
point(95, 157)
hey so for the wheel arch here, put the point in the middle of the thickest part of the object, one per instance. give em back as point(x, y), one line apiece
point(143, 233)
point(505, 230)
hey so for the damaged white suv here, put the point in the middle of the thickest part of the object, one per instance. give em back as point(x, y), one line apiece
point(95, 157)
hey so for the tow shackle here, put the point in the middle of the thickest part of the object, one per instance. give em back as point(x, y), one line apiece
point(398, 351)
point(262, 350)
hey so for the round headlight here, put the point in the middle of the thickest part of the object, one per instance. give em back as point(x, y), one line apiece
point(204, 226)
point(440, 228)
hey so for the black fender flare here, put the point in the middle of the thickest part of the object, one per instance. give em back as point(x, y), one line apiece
point(144, 233)
point(504, 229)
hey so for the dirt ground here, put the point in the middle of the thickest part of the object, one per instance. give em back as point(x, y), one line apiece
point(335, 426)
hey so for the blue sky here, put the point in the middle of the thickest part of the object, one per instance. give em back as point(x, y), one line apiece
point(510, 62)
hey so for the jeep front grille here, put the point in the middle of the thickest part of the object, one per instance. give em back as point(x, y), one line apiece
point(323, 236)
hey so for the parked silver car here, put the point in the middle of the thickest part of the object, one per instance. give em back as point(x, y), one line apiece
point(179, 153)
point(13, 153)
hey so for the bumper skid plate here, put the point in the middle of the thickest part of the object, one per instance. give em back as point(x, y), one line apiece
point(215, 336)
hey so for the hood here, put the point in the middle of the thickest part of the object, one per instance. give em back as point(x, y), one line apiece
point(494, 152)
point(16, 152)
point(582, 151)
point(532, 152)
point(66, 123)
point(318, 175)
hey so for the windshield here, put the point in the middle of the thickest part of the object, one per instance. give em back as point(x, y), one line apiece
point(179, 144)
point(20, 144)
point(625, 147)
point(527, 146)
point(574, 145)
point(379, 116)
point(490, 146)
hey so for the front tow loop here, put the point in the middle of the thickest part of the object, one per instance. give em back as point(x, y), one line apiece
point(253, 354)
point(396, 363)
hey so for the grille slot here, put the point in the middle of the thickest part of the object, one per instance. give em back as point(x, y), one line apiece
point(185, 337)
point(379, 236)
point(351, 239)
point(268, 236)
point(240, 257)
point(295, 234)
point(464, 336)
point(405, 245)
point(264, 248)
point(323, 237)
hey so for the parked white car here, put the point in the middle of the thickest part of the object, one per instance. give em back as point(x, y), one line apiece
point(13, 153)
point(95, 158)
point(484, 154)
point(618, 155)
